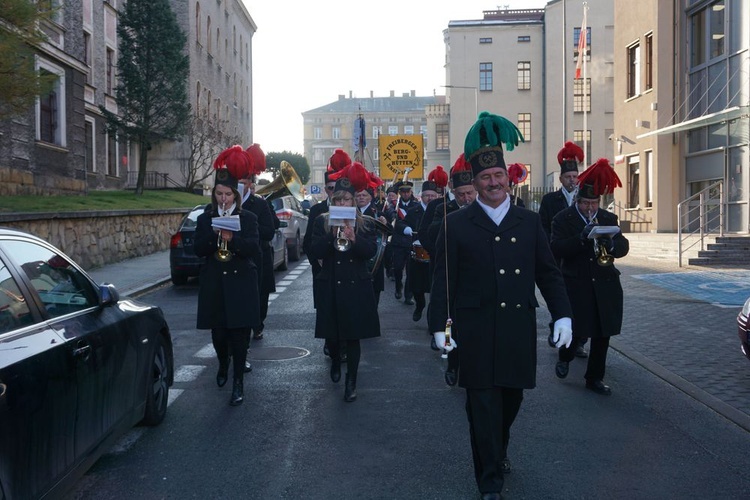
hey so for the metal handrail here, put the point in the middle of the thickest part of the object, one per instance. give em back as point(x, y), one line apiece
point(703, 217)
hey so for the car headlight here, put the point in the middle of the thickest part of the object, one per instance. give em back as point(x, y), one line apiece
point(746, 308)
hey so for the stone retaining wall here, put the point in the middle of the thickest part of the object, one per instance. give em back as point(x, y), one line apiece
point(96, 238)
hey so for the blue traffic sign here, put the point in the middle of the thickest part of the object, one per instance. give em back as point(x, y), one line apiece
point(314, 189)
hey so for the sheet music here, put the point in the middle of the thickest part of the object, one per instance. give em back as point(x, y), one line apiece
point(231, 223)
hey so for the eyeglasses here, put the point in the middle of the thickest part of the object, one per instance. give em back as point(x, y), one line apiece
point(330, 188)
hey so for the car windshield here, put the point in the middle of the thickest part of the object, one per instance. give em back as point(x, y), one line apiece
point(278, 204)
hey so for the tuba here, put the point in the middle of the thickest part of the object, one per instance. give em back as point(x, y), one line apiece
point(286, 183)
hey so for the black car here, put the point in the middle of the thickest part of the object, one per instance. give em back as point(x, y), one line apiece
point(183, 263)
point(743, 328)
point(79, 366)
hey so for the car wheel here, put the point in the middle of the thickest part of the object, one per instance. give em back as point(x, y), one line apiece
point(285, 261)
point(295, 249)
point(179, 278)
point(157, 389)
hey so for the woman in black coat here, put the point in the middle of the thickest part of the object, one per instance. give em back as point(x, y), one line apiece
point(345, 300)
point(228, 297)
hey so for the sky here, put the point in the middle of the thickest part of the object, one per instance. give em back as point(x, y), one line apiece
point(307, 52)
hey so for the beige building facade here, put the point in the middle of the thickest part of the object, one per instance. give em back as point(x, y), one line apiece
point(682, 89)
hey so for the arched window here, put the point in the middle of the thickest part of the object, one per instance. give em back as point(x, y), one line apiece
point(198, 22)
point(208, 34)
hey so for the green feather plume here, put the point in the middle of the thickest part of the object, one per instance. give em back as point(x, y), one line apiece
point(491, 130)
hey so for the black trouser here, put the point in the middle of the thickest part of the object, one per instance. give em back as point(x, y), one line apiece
point(401, 256)
point(491, 413)
point(419, 299)
point(597, 356)
point(263, 309)
point(353, 353)
point(234, 342)
point(453, 360)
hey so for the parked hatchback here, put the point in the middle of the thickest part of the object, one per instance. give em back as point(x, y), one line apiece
point(184, 264)
point(293, 220)
point(79, 366)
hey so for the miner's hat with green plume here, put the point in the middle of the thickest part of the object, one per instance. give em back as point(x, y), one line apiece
point(483, 147)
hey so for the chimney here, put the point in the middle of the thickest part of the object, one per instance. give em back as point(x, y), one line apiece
point(372, 94)
point(342, 97)
point(350, 94)
point(393, 93)
point(413, 93)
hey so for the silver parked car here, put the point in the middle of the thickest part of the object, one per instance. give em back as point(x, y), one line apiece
point(293, 220)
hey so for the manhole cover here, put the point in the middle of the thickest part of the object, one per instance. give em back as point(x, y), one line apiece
point(277, 353)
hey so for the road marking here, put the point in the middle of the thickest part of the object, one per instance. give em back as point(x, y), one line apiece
point(188, 373)
point(206, 352)
point(284, 283)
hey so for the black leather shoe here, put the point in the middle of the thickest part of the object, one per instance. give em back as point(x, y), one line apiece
point(335, 370)
point(221, 375)
point(409, 301)
point(248, 367)
point(581, 352)
point(237, 393)
point(350, 390)
point(398, 295)
point(598, 387)
point(325, 350)
point(451, 376)
point(561, 369)
point(417, 315)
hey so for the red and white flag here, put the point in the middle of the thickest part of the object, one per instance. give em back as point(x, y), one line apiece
point(581, 46)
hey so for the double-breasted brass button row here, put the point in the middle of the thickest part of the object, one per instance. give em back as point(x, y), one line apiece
point(503, 305)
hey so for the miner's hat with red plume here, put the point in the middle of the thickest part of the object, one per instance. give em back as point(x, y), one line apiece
point(516, 173)
point(599, 179)
point(461, 173)
point(569, 157)
point(337, 162)
point(439, 177)
point(231, 165)
point(258, 158)
point(354, 177)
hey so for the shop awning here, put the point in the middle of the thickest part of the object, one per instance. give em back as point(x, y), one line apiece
point(701, 121)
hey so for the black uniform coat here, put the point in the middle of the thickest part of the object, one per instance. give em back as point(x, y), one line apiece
point(378, 277)
point(595, 291)
point(346, 307)
point(418, 272)
point(492, 271)
point(315, 211)
point(552, 203)
point(399, 239)
point(266, 230)
point(228, 295)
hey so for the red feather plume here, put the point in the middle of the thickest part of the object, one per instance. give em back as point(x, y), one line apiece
point(357, 175)
point(601, 176)
point(515, 172)
point(339, 160)
point(460, 165)
point(375, 181)
point(439, 177)
point(258, 158)
point(236, 161)
point(569, 151)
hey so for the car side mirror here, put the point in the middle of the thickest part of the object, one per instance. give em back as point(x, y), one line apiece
point(109, 294)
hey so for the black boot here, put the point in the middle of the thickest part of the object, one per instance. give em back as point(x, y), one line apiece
point(335, 370)
point(237, 393)
point(221, 375)
point(350, 391)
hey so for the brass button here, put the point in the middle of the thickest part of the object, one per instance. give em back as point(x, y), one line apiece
point(502, 271)
point(518, 271)
point(513, 239)
point(502, 304)
point(497, 238)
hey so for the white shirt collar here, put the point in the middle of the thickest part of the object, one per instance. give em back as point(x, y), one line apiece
point(496, 214)
point(362, 210)
point(228, 211)
point(569, 197)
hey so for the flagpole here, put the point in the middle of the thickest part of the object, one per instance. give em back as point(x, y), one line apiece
point(584, 35)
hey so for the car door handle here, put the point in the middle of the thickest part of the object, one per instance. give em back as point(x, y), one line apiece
point(82, 352)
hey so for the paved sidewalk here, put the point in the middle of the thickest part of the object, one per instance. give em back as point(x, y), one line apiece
point(679, 323)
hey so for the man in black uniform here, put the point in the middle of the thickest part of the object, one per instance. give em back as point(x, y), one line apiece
point(400, 242)
point(552, 203)
point(592, 281)
point(494, 255)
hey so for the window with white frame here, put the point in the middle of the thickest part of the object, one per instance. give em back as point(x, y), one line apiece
point(423, 131)
point(442, 138)
point(317, 155)
point(524, 125)
point(392, 129)
point(408, 129)
point(581, 95)
point(649, 83)
point(649, 178)
point(90, 158)
point(634, 70)
point(634, 173)
point(50, 108)
point(376, 154)
point(336, 132)
point(376, 131)
point(524, 75)
point(485, 76)
point(110, 83)
point(317, 132)
point(577, 38)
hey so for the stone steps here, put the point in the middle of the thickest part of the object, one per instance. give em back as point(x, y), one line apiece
point(724, 251)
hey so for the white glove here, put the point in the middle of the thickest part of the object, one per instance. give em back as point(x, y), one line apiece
point(408, 231)
point(440, 341)
point(562, 333)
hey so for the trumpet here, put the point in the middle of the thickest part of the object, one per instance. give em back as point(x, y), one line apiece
point(342, 243)
point(603, 257)
point(222, 253)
